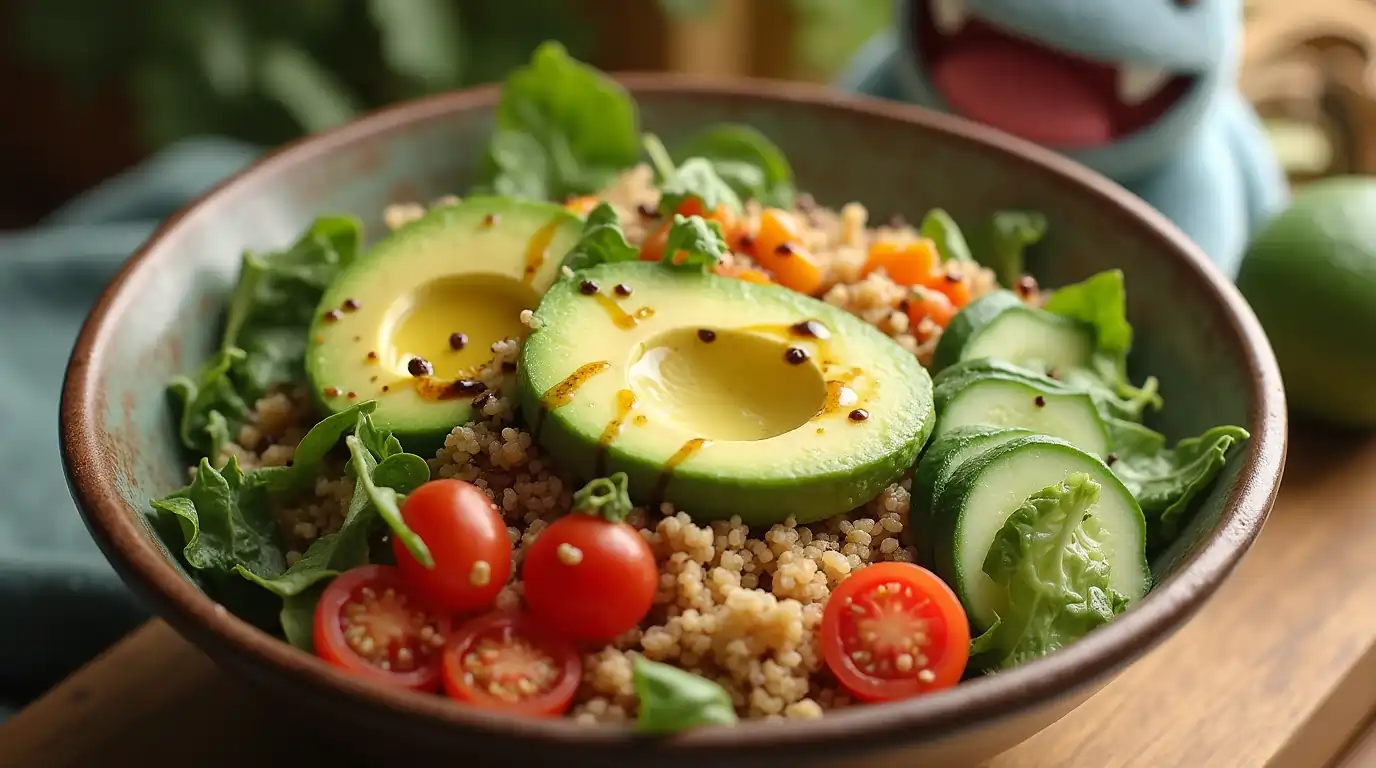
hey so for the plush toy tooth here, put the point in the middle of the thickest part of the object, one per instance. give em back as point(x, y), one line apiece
point(949, 16)
point(1137, 83)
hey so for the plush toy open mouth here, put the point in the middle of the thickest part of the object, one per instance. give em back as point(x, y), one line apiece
point(1058, 99)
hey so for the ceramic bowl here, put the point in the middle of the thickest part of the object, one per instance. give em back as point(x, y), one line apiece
point(160, 315)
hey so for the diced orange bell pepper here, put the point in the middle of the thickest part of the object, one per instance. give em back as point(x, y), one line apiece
point(955, 284)
point(925, 304)
point(652, 249)
point(906, 263)
point(779, 248)
point(582, 205)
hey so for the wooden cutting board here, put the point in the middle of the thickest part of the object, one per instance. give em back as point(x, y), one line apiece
point(1278, 670)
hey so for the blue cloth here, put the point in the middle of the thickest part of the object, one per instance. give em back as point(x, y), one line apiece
point(60, 602)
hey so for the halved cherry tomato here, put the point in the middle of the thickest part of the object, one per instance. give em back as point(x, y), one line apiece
point(652, 249)
point(742, 273)
point(779, 248)
point(589, 579)
point(370, 622)
point(503, 661)
point(582, 205)
point(467, 539)
point(906, 263)
point(926, 303)
point(894, 630)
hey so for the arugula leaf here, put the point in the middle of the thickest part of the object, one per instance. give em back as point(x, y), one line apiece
point(1165, 481)
point(743, 157)
point(264, 340)
point(674, 700)
point(1051, 575)
point(1106, 382)
point(942, 230)
point(311, 451)
point(226, 523)
point(1101, 303)
point(387, 502)
point(563, 128)
point(696, 180)
point(603, 241)
point(694, 243)
point(1007, 235)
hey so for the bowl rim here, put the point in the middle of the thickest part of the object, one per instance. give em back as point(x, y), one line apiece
point(140, 562)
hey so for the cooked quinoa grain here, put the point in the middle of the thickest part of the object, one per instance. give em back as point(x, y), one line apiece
point(738, 606)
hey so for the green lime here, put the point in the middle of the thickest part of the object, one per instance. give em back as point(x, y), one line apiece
point(1311, 279)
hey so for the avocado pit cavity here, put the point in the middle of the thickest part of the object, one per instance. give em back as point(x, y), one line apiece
point(418, 324)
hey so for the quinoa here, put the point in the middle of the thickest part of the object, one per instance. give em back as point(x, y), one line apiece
point(737, 605)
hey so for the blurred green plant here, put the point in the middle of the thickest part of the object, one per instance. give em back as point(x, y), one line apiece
point(269, 71)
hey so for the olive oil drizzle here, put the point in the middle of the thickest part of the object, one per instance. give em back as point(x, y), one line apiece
point(562, 393)
point(684, 453)
point(620, 318)
point(625, 403)
point(538, 249)
point(437, 388)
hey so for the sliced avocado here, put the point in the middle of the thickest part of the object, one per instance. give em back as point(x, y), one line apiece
point(386, 327)
point(722, 396)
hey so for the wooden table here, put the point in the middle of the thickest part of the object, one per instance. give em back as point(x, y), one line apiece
point(1279, 670)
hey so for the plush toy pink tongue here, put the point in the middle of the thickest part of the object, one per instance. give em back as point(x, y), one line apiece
point(1023, 90)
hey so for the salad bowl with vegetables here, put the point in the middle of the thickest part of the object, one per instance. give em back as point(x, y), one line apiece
point(639, 419)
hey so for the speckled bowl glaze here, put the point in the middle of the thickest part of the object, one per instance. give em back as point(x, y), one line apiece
point(159, 317)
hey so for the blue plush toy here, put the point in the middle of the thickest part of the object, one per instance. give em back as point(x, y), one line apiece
point(1139, 90)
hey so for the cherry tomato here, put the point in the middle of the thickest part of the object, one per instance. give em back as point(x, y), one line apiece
point(503, 661)
point(778, 247)
point(652, 249)
point(467, 539)
point(930, 304)
point(369, 622)
point(589, 579)
point(894, 630)
point(692, 206)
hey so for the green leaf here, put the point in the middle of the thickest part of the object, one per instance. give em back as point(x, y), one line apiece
point(697, 180)
point(1166, 481)
point(743, 157)
point(311, 94)
point(602, 242)
point(298, 617)
point(694, 243)
point(387, 503)
point(206, 404)
point(311, 451)
point(1008, 235)
point(421, 40)
point(1051, 575)
point(402, 472)
point(673, 700)
point(941, 229)
point(582, 129)
point(226, 523)
point(606, 497)
point(1101, 302)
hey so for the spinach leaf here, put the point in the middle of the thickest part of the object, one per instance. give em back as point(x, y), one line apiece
point(563, 128)
point(311, 451)
point(1006, 237)
point(696, 180)
point(941, 229)
point(743, 157)
point(298, 617)
point(1165, 481)
point(694, 243)
point(1051, 575)
point(226, 523)
point(603, 241)
point(673, 700)
point(264, 340)
point(387, 502)
point(1101, 303)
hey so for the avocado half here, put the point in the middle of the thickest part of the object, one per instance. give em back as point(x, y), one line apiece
point(722, 396)
point(413, 320)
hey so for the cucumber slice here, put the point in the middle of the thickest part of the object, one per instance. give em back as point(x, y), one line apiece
point(971, 369)
point(999, 325)
point(938, 463)
point(982, 492)
point(1005, 400)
